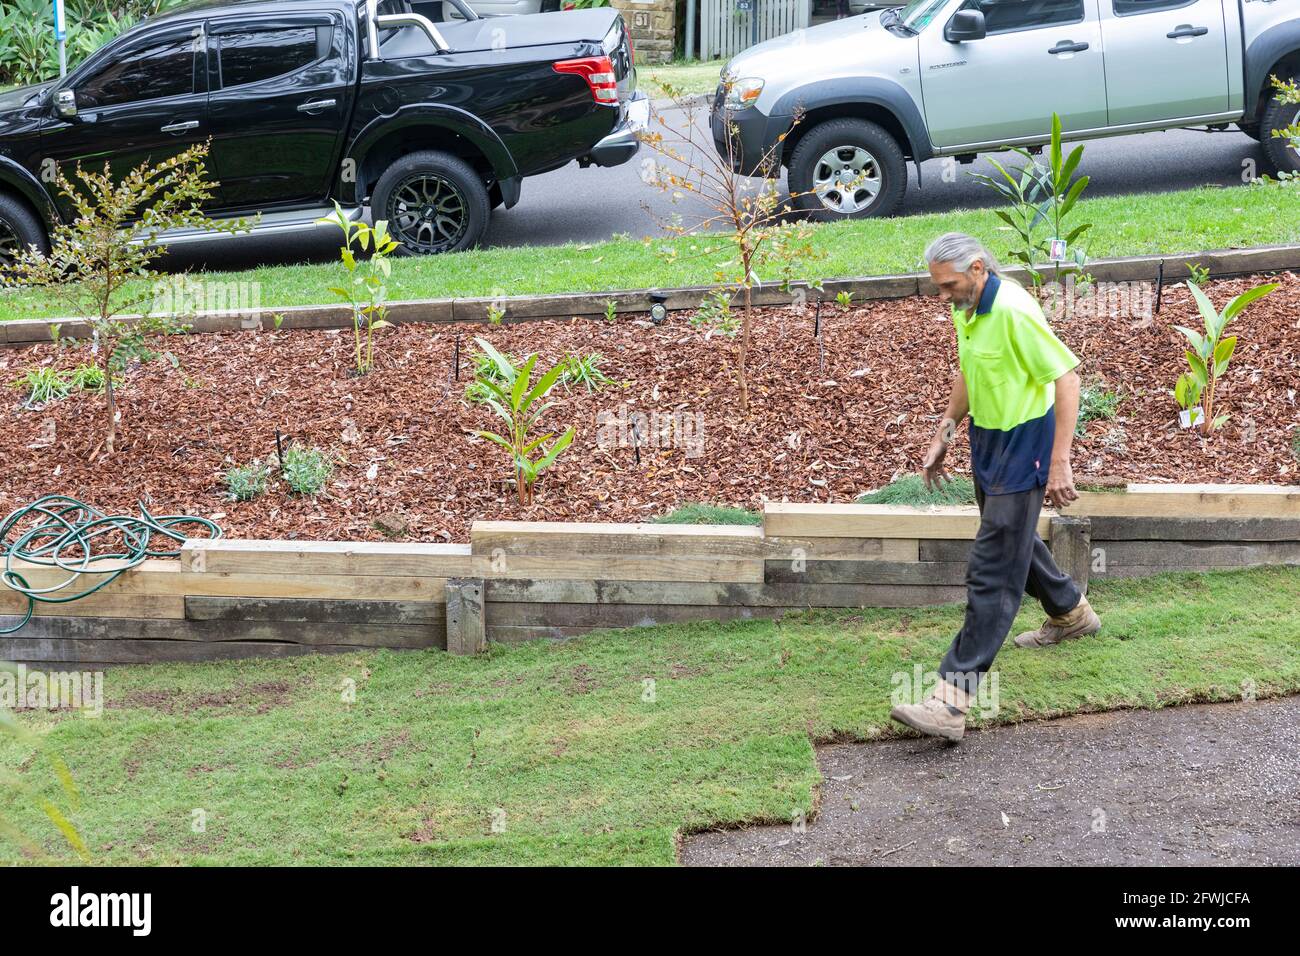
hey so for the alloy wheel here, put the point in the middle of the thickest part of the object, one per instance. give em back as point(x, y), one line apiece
point(428, 214)
point(847, 179)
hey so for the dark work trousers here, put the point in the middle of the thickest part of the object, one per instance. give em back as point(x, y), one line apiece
point(1007, 560)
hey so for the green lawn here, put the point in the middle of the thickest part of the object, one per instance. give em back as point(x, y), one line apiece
point(1188, 221)
point(562, 737)
point(685, 76)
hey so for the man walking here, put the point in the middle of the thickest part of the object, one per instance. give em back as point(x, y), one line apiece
point(1017, 382)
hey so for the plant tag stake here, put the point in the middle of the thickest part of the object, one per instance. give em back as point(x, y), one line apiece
point(636, 440)
point(1160, 284)
point(817, 320)
point(455, 359)
point(1057, 250)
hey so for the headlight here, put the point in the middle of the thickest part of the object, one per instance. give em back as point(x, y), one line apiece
point(744, 92)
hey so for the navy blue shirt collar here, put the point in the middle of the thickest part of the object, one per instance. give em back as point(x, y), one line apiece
point(985, 304)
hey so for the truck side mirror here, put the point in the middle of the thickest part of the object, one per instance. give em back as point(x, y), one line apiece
point(964, 26)
point(65, 103)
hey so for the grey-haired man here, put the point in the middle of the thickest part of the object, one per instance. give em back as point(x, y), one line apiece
point(1017, 382)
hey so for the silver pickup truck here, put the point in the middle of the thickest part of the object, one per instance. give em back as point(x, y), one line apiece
point(962, 77)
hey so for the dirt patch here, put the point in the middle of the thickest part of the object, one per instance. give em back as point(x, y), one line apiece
point(825, 423)
point(1208, 784)
point(259, 698)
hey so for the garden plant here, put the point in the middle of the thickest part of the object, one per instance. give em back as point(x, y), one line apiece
point(750, 220)
point(1042, 196)
point(366, 291)
point(112, 241)
point(521, 405)
point(1210, 354)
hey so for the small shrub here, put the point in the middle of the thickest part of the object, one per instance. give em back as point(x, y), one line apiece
point(489, 367)
point(911, 490)
point(1096, 402)
point(715, 315)
point(844, 299)
point(697, 513)
point(43, 385)
point(585, 371)
point(305, 470)
point(246, 482)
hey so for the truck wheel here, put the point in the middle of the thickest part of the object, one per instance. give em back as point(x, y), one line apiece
point(847, 169)
point(1281, 154)
point(19, 228)
point(434, 202)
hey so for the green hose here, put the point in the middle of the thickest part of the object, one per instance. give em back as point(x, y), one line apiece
point(60, 532)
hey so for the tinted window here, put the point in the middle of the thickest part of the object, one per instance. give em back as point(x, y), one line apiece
point(1149, 6)
point(263, 54)
point(150, 72)
point(1003, 16)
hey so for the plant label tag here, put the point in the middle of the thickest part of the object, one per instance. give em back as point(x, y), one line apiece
point(1189, 417)
point(1057, 252)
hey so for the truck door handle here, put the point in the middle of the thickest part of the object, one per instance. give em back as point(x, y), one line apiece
point(1187, 30)
point(181, 127)
point(1065, 46)
point(315, 106)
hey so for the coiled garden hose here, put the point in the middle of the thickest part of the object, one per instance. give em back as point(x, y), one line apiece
point(61, 532)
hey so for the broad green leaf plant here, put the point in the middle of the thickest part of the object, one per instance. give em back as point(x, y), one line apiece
point(1042, 196)
point(520, 404)
point(366, 290)
point(1210, 354)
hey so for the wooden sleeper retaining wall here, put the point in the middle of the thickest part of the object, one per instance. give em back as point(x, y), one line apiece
point(525, 580)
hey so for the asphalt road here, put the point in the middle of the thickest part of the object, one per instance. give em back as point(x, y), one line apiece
point(573, 204)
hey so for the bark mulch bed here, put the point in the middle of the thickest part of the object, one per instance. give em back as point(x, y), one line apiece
point(827, 421)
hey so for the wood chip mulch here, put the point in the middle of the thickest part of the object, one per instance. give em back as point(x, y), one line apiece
point(827, 421)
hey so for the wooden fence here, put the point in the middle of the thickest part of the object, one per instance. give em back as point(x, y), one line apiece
point(523, 580)
point(725, 30)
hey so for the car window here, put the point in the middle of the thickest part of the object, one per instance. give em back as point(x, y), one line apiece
point(148, 72)
point(256, 55)
point(918, 14)
point(1125, 7)
point(1005, 16)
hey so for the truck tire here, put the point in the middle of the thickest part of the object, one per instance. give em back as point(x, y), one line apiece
point(19, 228)
point(847, 169)
point(433, 202)
point(1279, 152)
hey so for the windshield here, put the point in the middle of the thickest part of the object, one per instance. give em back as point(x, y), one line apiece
point(917, 15)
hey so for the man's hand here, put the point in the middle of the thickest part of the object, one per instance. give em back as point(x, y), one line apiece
point(1060, 484)
point(932, 471)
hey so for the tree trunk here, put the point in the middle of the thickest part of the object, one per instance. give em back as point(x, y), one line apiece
point(111, 437)
point(743, 364)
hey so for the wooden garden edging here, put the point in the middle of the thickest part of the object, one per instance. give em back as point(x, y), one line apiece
point(1219, 264)
point(522, 580)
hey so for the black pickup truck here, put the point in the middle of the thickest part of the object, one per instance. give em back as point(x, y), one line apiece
point(307, 102)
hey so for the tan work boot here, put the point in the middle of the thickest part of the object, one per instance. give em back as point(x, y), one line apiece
point(1080, 622)
point(942, 714)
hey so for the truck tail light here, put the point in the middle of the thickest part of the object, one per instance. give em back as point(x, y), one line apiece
point(631, 47)
point(598, 71)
